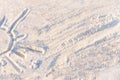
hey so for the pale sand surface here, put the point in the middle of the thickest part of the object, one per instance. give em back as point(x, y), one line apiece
point(59, 40)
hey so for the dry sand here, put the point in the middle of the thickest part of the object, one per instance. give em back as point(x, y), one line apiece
point(59, 40)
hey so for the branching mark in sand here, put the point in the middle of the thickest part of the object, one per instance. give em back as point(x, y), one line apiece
point(10, 36)
point(8, 40)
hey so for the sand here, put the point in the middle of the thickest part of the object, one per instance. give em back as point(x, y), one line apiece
point(60, 40)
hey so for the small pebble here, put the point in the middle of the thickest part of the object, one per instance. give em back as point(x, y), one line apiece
point(36, 64)
point(3, 63)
